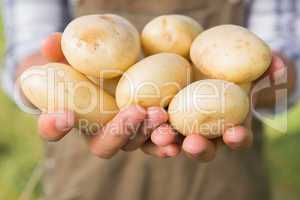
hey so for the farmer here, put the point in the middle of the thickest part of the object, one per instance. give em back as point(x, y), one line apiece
point(74, 168)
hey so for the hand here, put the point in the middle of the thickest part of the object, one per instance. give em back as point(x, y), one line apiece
point(200, 148)
point(129, 129)
point(236, 138)
point(165, 142)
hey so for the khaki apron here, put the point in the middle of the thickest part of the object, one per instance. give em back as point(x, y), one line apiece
point(73, 173)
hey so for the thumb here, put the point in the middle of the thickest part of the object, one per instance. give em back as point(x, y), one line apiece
point(51, 48)
point(53, 127)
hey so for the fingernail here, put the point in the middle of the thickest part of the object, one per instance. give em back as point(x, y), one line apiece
point(171, 151)
point(64, 121)
point(157, 115)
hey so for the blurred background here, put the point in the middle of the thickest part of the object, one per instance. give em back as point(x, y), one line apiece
point(20, 148)
point(21, 152)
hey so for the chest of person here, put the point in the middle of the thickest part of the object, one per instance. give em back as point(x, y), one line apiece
point(208, 12)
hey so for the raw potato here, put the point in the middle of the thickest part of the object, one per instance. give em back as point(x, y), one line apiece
point(170, 33)
point(56, 87)
point(101, 45)
point(108, 85)
point(231, 53)
point(198, 75)
point(153, 81)
point(208, 107)
point(246, 87)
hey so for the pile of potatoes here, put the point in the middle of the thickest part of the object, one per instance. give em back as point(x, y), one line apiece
point(201, 77)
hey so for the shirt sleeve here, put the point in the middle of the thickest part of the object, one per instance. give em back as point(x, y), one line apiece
point(26, 24)
point(278, 23)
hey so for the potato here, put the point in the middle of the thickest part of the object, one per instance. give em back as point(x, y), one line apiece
point(246, 87)
point(108, 85)
point(101, 45)
point(208, 107)
point(198, 75)
point(57, 87)
point(231, 53)
point(170, 33)
point(153, 81)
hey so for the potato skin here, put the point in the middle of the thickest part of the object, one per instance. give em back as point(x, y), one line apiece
point(198, 75)
point(153, 81)
point(208, 107)
point(57, 87)
point(246, 87)
point(101, 45)
point(231, 53)
point(171, 34)
point(108, 85)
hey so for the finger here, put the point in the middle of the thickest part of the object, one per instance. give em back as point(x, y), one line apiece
point(238, 138)
point(164, 135)
point(155, 117)
point(53, 127)
point(117, 132)
point(277, 65)
point(171, 150)
point(51, 48)
point(199, 147)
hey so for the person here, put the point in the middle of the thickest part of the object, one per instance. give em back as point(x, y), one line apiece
point(71, 172)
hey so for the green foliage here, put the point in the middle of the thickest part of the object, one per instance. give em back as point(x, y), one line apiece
point(282, 153)
point(284, 164)
point(20, 147)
